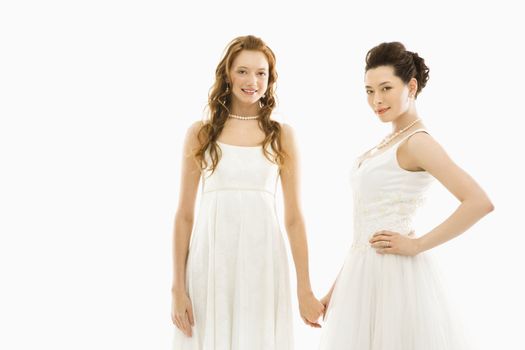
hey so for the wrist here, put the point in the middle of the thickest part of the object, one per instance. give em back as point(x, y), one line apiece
point(177, 289)
point(419, 245)
point(304, 292)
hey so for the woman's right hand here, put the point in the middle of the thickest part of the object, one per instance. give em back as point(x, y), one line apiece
point(182, 312)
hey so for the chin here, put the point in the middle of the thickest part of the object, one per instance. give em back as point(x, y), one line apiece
point(388, 118)
point(384, 119)
point(250, 99)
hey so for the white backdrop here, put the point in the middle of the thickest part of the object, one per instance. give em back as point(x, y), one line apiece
point(95, 97)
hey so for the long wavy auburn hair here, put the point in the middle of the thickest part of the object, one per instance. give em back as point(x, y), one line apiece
point(219, 107)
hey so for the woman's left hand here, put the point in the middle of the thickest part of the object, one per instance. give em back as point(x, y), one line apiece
point(310, 309)
point(388, 242)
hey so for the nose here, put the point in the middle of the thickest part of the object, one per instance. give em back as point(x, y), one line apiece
point(252, 80)
point(377, 100)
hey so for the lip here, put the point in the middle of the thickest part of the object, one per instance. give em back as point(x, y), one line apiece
point(250, 92)
point(382, 110)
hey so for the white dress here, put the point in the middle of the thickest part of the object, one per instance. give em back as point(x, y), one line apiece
point(237, 270)
point(387, 302)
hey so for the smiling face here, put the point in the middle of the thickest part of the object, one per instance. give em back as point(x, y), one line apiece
point(248, 77)
point(388, 96)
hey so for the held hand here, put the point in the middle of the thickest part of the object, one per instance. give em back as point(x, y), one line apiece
point(325, 301)
point(182, 312)
point(388, 242)
point(311, 309)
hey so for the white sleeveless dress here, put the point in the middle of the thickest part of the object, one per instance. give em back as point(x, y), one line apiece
point(237, 268)
point(387, 302)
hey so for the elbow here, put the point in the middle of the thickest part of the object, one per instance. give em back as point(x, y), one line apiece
point(485, 205)
point(480, 205)
point(291, 223)
point(185, 218)
point(489, 206)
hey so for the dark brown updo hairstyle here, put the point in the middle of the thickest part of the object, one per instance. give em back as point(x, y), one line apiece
point(406, 64)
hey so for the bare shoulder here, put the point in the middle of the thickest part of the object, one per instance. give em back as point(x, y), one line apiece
point(287, 134)
point(195, 127)
point(192, 135)
point(286, 129)
point(422, 143)
point(426, 151)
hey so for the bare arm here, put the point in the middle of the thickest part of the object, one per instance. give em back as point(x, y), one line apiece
point(474, 203)
point(190, 176)
point(182, 315)
point(293, 218)
point(422, 151)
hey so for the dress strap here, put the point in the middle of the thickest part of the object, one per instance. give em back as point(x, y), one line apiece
point(399, 143)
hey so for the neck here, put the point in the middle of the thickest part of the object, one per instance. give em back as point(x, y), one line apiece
point(245, 110)
point(404, 119)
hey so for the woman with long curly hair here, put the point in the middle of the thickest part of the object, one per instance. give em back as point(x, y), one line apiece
point(230, 284)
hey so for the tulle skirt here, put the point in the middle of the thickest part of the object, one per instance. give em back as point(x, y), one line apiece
point(389, 302)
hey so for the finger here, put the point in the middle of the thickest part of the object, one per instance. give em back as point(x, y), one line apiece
point(178, 324)
point(190, 329)
point(383, 232)
point(305, 321)
point(310, 319)
point(186, 324)
point(326, 306)
point(382, 244)
point(376, 239)
point(386, 251)
point(181, 324)
point(314, 325)
point(311, 324)
point(380, 238)
point(314, 320)
point(190, 316)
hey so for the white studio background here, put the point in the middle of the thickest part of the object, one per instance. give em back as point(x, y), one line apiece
point(95, 97)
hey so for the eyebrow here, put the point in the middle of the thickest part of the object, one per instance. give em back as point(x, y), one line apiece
point(262, 68)
point(383, 83)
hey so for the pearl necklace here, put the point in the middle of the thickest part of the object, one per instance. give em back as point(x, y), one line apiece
point(389, 138)
point(243, 118)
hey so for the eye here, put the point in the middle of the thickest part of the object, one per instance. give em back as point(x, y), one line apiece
point(241, 71)
point(262, 74)
point(368, 92)
point(386, 88)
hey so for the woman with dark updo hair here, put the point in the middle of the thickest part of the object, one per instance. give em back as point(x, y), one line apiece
point(388, 294)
